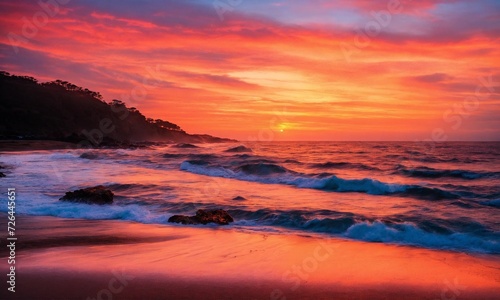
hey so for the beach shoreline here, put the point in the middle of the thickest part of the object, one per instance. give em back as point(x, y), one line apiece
point(95, 259)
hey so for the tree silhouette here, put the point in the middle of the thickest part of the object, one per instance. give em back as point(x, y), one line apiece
point(74, 88)
point(167, 125)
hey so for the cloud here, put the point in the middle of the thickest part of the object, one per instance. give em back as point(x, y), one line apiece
point(433, 78)
point(265, 56)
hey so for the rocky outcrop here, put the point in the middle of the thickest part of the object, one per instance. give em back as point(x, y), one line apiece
point(59, 110)
point(93, 195)
point(217, 216)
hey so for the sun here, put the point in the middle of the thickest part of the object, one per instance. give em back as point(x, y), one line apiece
point(281, 127)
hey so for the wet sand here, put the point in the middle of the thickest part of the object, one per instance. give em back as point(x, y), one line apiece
point(86, 259)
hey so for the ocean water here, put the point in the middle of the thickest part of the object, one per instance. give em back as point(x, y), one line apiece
point(441, 196)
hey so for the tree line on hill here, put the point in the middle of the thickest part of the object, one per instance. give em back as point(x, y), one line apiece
point(60, 110)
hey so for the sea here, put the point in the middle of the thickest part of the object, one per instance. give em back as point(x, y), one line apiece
point(439, 195)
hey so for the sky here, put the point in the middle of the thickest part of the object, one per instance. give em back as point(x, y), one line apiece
point(258, 70)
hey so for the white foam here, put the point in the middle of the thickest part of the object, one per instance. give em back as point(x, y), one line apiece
point(333, 183)
point(411, 235)
point(41, 205)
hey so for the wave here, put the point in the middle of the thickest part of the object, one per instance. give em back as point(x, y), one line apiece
point(434, 159)
point(239, 149)
point(419, 157)
point(122, 187)
point(409, 234)
point(263, 173)
point(438, 234)
point(197, 162)
point(261, 169)
point(493, 203)
point(343, 165)
point(203, 156)
point(90, 155)
point(190, 156)
point(328, 225)
point(242, 156)
point(426, 172)
point(173, 155)
point(185, 146)
point(454, 234)
point(427, 193)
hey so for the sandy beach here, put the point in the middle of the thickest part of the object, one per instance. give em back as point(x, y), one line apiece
point(85, 259)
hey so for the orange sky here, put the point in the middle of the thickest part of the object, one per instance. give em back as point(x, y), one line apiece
point(282, 70)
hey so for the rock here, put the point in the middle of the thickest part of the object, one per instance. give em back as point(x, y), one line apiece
point(2, 174)
point(239, 149)
point(217, 216)
point(92, 195)
point(239, 198)
point(183, 220)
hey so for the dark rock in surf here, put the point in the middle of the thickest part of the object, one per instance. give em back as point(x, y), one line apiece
point(217, 216)
point(2, 174)
point(239, 149)
point(239, 198)
point(93, 195)
point(186, 220)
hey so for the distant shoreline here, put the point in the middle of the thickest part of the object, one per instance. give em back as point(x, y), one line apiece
point(35, 145)
point(40, 145)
